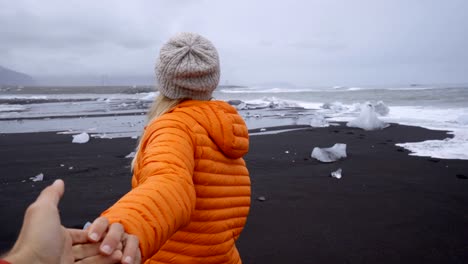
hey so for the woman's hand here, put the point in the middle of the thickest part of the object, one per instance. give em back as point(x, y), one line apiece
point(112, 235)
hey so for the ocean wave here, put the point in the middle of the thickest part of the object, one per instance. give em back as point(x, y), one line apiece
point(23, 97)
point(12, 108)
point(264, 90)
point(273, 103)
point(449, 148)
point(148, 96)
point(354, 89)
point(285, 105)
point(411, 88)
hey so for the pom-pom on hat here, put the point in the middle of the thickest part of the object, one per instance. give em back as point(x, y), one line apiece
point(187, 67)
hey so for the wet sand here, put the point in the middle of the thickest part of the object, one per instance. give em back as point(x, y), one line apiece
point(389, 207)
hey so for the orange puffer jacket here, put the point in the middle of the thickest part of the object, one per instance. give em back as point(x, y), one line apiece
point(190, 192)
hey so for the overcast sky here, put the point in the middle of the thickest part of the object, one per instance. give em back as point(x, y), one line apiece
point(308, 42)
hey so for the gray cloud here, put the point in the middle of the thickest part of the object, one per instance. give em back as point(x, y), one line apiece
point(304, 42)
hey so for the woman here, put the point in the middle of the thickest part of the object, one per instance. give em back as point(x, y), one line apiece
point(190, 192)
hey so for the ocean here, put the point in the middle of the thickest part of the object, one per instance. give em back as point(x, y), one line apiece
point(119, 111)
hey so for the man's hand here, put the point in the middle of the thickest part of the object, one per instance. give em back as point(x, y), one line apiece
point(42, 238)
point(90, 253)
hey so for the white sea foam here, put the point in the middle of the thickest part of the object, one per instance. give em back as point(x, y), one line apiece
point(463, 120)
point(12, 108)
point(449, 148)
point(23, 97)
point(96, 97)
point(148, 96)
point(264, 90)
point(354, 89)
point(275, 102)
point(430, 118)
point(268, 102)
point(274, 132)
point(410, 88)
point(435, 119)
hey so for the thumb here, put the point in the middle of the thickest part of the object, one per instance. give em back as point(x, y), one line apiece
point(78, 236)
point(52, 194)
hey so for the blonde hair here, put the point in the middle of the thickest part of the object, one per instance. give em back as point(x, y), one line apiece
point(160, 106)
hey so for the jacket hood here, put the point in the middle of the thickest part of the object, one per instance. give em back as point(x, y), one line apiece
point(222, 123)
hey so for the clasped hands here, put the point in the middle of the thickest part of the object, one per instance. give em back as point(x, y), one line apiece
point(106, 243)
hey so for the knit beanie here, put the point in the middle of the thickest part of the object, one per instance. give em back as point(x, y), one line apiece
point(187, 67)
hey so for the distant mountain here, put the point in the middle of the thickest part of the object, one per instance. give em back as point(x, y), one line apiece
point(10, 77)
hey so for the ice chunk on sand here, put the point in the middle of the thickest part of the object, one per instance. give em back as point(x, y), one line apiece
point(81, 138)
point(319, 121)
point(332, 154)
point(131, 155)
point(336, 174)
point(367, 119)
point(280, 103)
point(381, 109)
point(335, 106)
point(39, 177)
point(238, 104)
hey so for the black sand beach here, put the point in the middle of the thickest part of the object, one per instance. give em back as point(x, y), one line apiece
point(389, 207)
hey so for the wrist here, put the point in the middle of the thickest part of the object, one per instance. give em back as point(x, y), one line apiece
point(14, 258)
point(18, 258)
point(9, 259)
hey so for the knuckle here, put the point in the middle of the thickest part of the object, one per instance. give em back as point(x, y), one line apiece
point(104, 220)
point(117, 256)
point(98, 221)
point(120, 246)
point(78, 247)
point(34, 207)
point(134, 238)
point(117, 227)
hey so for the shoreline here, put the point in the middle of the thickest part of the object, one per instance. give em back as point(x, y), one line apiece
point(388, 207)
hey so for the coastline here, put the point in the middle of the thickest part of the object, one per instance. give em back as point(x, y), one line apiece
point(388, 207)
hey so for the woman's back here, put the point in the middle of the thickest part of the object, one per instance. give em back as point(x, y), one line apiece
point(191, 158)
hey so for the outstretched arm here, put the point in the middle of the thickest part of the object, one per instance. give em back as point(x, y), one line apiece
point(164, 197)
point(42, 238)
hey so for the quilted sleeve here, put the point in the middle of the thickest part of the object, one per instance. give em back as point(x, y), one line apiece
point(164, 198)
